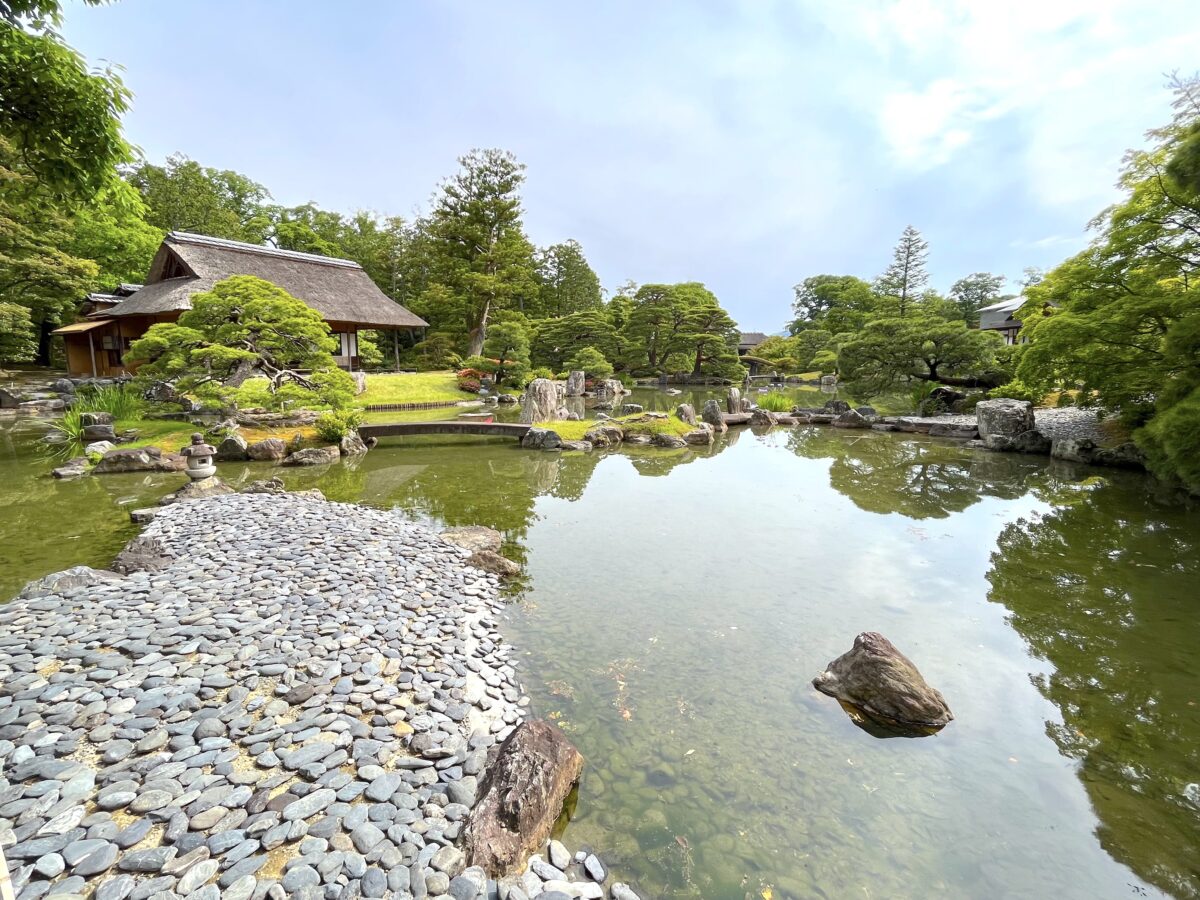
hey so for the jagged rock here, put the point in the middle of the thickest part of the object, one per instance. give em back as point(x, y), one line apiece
point(98, 433)
point(851, 419)
point(763, 417)
point(608, 390)
point(583, 446)
point(631, 409)
point(1084, 450)
point(685, 412)
point(491, 561)
point(313, 456)
point(575, 383)
point(198, 490)
point(232, 449)
point(670, 441)
point(268, 449)
point(733, 401)
point(88, 419)
point(506, 398)
point(9, 400)
point(1004, 417)
point(521, 796)
point(604, 435)
point(67, 580)
point(72, 469)
point(540, 403)
point(63, 386)
point(881, 682)
point(702, 434)
point(1124, 456)
point(268, 486)
point(711, 413)
point(360, 382)
point(474, 538)
point(98, 448)
point(142, 459)
point(541, 439)
point(352, 445)
point(143, 515)
point(836, 407)
point(142, 554)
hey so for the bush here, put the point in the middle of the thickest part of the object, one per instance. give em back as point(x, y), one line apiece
point(470, 380)
point(1016, 390)
point(591, 362)
point(776, 401)
point(332, 426)
point(1064, 399)
point(540, 372)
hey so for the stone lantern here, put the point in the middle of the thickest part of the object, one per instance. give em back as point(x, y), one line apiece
point(199, 458)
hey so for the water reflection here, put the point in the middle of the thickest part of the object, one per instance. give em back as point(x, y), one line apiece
point(1106, 590)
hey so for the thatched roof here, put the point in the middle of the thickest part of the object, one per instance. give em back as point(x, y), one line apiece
point(338, 289)
point(748, 340)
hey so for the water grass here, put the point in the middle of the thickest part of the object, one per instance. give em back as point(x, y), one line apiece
point(776, 401)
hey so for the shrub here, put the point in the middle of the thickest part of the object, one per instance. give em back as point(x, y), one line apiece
point(1016, 390)
point(540, 372)
point(591, 362)
point(469, 379)
point(332, 426)
point(1064, 399)
point(776, 401)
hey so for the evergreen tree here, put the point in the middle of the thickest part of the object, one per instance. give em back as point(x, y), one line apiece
point(906, 277)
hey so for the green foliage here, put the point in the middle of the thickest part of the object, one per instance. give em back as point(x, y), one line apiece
point(508, 344)
point(591, 362)
point(18, 339)
point(62, 119)
point(566, 282)
point(1121, 320)
point(112, 232)
point(681, 328)
point(123, 401)
point(974, 291)
point(1017, 390)
point(559, 339)
point(435, 352)
point(333, 425)
point(832, 303)
point(775, 401)
point(243, 326)
point(906, 277)
point(369, 354)
point(182, 195)
point(1063, 400)
point(540, 372)
point(894, 350)
point(917, 392)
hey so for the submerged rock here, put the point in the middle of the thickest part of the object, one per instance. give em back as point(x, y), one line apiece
point(352, 445)
point(474, 538)
point(313, 456)
point(142, 459)
point(522, 796)
point(851, 419)
point(491, 561)
point(541, 439)
point(881, 682)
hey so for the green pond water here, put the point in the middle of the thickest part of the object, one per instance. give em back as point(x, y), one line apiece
point(677, 604)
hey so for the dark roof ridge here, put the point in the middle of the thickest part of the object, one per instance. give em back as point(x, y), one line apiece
point(185, 237)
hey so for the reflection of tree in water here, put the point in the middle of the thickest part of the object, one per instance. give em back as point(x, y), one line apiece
point(917, 478)
point(1106, 590)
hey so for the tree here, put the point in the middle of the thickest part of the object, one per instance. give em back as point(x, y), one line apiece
point(18, 338)
point(182, 195)
point(705, 332)
point(242, 327)
point(567, 283)
point(558, 339)
point(476, 227)
point(832, 302)
point(508, 344)
point(62, 120)
point(922, 347)
point(591, 362)
point(35, 270)
point(906, 277)
point(1121, 320)
point(112, 232)
point(651, 326)
point(975, 291)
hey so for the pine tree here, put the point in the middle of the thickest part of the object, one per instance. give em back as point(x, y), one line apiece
point(906, 276)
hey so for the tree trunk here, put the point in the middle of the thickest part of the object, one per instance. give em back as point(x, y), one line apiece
point(44, 338)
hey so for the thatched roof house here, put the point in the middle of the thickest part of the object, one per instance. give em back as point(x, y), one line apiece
point(186, 264)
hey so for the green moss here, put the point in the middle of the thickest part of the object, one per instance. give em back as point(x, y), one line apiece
point(574, 431)
point(418, 387)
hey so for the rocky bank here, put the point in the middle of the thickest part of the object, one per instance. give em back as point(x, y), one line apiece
point(286, 697)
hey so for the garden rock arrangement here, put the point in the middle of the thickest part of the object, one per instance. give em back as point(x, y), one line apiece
point(296, 698)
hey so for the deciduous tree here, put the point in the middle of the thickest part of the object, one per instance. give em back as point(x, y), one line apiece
point(973, 292)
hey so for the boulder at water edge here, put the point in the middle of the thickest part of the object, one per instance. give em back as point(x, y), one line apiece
point(313, 456)
point(540, 403)
point(685, 412)
point(711, 413)
point(521, 796)
point(474, 538)
point(232, 449)
point(881, 682)
point(142, 459)
point(1004, 417)
point(575, 383)
point(268, 449)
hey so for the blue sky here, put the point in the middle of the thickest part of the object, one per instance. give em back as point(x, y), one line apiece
point(746, 145)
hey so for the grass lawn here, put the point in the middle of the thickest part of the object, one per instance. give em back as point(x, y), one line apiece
point(419, 387)
point(169, 435)
point(574, 431)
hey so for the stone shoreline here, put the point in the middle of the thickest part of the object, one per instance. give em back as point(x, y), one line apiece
point(292, 697)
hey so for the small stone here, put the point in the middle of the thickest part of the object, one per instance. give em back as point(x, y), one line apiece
point(149, 860)
point(560, 856)
point(51, 865)
point(374, 883)
point(197, 876)
point(594, 868)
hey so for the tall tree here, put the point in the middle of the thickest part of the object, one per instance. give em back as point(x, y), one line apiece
point(476, 226)
point(567, 282)
point(906, 277)
point(559, 339)
point(183, 195)
point(705, 332)
point(973, 292)
point(651, 326)
point(1121, 320)
point(832, 302)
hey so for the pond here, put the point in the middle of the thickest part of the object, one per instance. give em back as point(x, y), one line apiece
point(677, 604)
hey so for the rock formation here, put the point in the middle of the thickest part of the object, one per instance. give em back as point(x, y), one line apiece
point(575, 383)
point(881, 682)
point(712, 415)
point(540, 403)
point(521, 797)
point(685, 412)
point(1004, 417)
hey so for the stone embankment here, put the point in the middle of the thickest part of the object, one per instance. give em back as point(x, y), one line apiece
point(282, 697)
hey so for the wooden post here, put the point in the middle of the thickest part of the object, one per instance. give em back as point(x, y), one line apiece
point(396, 346)
point(92, 350)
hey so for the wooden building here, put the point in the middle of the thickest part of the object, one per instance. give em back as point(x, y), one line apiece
point(186, 264)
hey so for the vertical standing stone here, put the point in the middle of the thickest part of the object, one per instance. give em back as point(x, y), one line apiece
point(733, 402)
point(686, 413)
point(712, 415)
point(541, 402)
point(575, 383)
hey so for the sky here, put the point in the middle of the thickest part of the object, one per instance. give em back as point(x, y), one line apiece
point(747, 145)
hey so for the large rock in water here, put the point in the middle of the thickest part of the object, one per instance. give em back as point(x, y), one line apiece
point(267, 449)
point(313, 456)
point(685, 412)
point(541, 439)
point(474, 538)
point(1004, 417)
point(232, 449)
point(521, 796)
point(881, 682)
point(541, 402)
point(575, 383)
point(733, 401)
point(142, 459)
point(712, 415)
